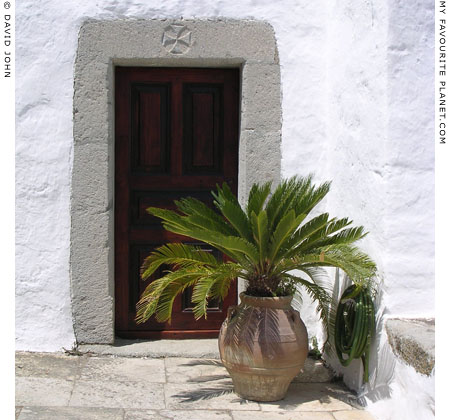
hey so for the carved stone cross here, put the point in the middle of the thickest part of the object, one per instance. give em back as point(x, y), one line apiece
point(176, 39)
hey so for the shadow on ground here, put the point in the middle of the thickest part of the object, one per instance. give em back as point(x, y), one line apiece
point(298, 393)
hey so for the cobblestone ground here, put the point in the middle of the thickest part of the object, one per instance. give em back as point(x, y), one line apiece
point(61, 387)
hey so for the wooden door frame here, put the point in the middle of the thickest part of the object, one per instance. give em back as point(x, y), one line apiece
point(248, 45)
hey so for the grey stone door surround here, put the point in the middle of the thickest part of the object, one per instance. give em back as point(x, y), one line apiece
point(248, 45)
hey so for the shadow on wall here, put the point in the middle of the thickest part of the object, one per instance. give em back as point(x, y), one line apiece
point(382, 363)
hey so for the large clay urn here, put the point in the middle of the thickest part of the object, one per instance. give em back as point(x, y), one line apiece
point(263, 344)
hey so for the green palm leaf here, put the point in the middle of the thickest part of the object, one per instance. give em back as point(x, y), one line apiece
point(212, 286)
point(260, 233)
point(266, 242)
point(308, 198)
point(233, 212)
point(201, 215)
point(345, 236)
point(351, 260)
point(257, 197)
point(159, 295)
point(302, 235)
point(235, 247)
point(168, 216)
point(176, 254)
point(287, 225)
point(319, 294)
point(283, 198)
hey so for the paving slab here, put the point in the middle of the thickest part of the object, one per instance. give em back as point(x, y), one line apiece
point(143, 415)
point(259, 415)
point(178, 415)
point(43, 391)
point(218, 396)
point(352, 415)
point(124, 369)
point(314, 371)
point(48, 365)
point(312, 397)
point(111, 394)
point(185, 370)
point(57, 386)
point(70, 413)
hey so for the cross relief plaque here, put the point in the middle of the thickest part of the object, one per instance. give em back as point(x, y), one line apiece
point(177, 39)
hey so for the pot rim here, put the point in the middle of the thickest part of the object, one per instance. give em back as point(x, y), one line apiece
point(281, 302)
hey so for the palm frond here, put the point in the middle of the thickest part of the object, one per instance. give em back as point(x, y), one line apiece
point(235, 247)
point(310, 197)
point(201, 215)
point(337, 224)
point(213, 285)
point(345, 236)
point(159, 295)
point(284, 199)
point(177, 254)
point(284, 229)
point(257, 197)
point(303, 235)
point(260, 233)
point(236, 244)
point(171, 291)
point(223, 195)
point(350, 259)
point(220, 288)
point(266, 240)
point(168, 216)
point(233, 212)
point(318, 293)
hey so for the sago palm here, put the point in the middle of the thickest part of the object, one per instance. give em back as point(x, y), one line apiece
point(269, 243)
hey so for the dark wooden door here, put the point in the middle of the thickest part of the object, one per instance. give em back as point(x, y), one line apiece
point(176, 133)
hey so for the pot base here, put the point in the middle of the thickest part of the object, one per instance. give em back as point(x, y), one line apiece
point(262, 384)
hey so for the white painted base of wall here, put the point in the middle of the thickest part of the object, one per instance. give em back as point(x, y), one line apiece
point(412, 397)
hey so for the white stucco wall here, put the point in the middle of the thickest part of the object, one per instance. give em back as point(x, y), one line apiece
point(357, 105)
point(44, 89)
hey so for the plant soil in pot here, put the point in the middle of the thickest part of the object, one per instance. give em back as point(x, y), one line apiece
point(263, 344)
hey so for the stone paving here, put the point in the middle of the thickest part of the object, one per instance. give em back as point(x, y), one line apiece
point(52, 386)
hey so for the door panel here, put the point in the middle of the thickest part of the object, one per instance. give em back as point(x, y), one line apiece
point(203, 129)
point(150, 141)
point(176, 136)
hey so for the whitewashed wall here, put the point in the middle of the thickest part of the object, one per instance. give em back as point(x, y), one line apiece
point(381, 120)
point(357, 81)
point(46, 48)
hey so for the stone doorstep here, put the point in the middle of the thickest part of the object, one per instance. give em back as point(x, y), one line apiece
point(313, 371)
point(202, 348)
point(413, 341)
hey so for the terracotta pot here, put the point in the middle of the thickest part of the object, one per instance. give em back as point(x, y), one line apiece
point(263, 344)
